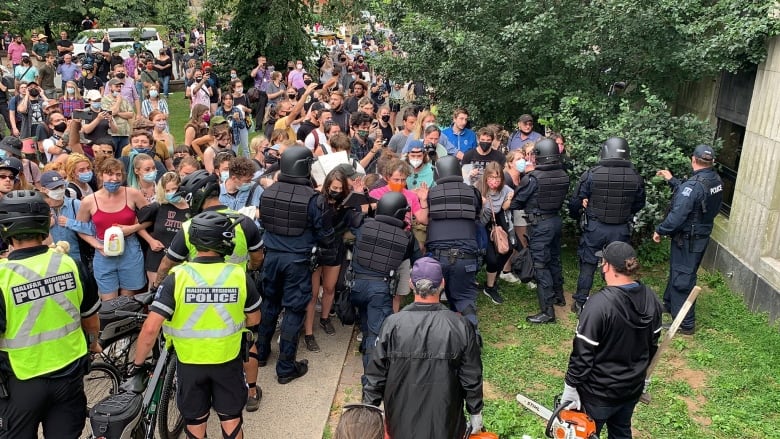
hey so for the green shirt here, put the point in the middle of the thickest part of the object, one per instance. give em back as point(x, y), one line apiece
point(40, 49)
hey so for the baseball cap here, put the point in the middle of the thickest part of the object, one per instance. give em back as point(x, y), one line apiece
point(52, 180)
point(52, 103)
point(12, 145)
point(41, 36)
point(427, 268)
point(32, 83)
point(13, 164)
point(704, 152)
point(25, 55)
point(320, 106)
point(347, 170)
point(218, 120)
point(114, 81)
point(526, 118)
point(414, 145)
point(93, 95)
point(617, 253)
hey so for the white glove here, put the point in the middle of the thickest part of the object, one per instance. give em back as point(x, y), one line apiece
point(476, 423)
point(570, 395)
point(647, 384)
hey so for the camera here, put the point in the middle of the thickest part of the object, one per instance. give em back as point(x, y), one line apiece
point(430, 149)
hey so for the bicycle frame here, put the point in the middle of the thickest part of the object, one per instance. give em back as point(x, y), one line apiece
point(153, 391)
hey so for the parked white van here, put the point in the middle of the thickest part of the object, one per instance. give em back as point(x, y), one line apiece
point(122, 38)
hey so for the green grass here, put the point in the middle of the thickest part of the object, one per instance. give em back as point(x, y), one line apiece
point(179, 109)
point(721, 383)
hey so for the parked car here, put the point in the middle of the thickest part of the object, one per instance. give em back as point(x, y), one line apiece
point(145, 40)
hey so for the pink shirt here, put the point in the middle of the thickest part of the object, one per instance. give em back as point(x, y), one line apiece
point(411, 198)
point(15, 52)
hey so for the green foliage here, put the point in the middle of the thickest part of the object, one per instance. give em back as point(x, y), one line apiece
point(41, 14)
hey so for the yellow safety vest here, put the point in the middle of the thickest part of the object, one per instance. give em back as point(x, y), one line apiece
point(209, 318)
point(43, 298)
point(240, 253)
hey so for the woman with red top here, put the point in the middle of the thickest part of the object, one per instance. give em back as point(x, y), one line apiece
point(111, 205)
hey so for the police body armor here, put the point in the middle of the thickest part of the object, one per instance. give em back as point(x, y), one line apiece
point(284, 208)
point(382, 244)
point(453, 201)
point(614, 185)
point(699, 221)
point(553, 184)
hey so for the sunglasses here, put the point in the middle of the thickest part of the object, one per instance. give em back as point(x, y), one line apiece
point(6, 177)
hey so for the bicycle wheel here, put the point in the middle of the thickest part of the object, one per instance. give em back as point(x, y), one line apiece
point(101, 381)
point(169, 421)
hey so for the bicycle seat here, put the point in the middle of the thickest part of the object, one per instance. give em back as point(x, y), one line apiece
point(135, 384)
point(145, 298)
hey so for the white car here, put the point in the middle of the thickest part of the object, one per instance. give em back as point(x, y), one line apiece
point(122, 38)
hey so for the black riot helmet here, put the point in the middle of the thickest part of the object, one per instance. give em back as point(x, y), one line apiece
point(24, 213)
point(213, 231)
point(448, 166)
point(615, 148)
point(393, 204)
point(547, 152)
point(296, 162)
point(197, 187)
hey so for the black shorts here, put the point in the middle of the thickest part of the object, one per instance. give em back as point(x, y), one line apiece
point(57, 403)
point(203, 386)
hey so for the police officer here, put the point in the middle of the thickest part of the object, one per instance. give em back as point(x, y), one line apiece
point(295, 228)
point(381, 245)
point(452, 235)
point(206, 308)
point(541, 194)
point(201, 190)
point(606, 198)
point(694, 206)
point(49, 303)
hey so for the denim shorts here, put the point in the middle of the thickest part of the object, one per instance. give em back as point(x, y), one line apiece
point(124, 271)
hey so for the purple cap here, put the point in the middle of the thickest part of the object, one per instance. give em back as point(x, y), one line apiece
point(427, 268)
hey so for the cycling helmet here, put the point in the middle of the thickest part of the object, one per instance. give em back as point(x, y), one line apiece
point(212, 231)
point(197, 188)
point(23, 213)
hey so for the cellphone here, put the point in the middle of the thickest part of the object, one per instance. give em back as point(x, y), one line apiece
point(82, 115)
point(109, 112)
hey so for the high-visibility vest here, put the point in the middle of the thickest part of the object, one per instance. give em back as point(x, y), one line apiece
point(240, 253)
point(209, 318)
point(42, 296)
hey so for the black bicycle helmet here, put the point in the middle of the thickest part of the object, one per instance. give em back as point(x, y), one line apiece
point(213, 231)
point(448, 166)
point(23, 213)
point(197, 188)
point(393, 204)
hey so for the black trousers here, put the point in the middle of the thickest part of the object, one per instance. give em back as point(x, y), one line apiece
point(259, 110)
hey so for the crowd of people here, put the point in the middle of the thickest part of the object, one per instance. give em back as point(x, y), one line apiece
point(408, 207)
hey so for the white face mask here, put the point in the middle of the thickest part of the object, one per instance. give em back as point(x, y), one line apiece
point(57, 194)
point(415, 163)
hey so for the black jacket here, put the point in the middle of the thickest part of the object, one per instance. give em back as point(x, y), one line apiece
point(617, 336)
point(426, 363)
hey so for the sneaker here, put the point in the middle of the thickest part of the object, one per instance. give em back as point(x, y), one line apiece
point(311, 343)
point(531, 285)
point(301, 367)
point(359, 337)
point(509, 277)
point(576, 308)
point(253, 402)
point(492, 292)
point(327, 326)
point(680, 330)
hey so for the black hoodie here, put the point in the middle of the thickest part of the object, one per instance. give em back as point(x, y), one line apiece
point(617, 336)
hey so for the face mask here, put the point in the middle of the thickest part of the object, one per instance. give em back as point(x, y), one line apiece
point(61, 127)
point(71, 90)
point(233, 76)
point(415, 163)
point(112, 186)
point(85, 177)
point(493, 183)
point(291, 95)
point(34, 92)
point(520, 165)
point(362, 133)
point(95, 106)
point(176, 161)
point(336, 195)
point(239, 90)
point(150, 176)
point(299, 66)
point(173, 198)
point(57, 194)
point(198, 78)
point(485, 146)
point(270, 159)
point(223, 176)
point(206, 117)
point(3, 154)
point(395, 187)
point(386, 118)
point(245, 187)
point(114, 93)
point(307, 81)
point(160, 125)
point(143, 151)
point(153, 93)
point(120, 76)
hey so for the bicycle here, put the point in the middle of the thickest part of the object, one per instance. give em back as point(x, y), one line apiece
point(158, 410)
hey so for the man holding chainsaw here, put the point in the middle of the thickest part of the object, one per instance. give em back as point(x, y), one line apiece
point(617, 336)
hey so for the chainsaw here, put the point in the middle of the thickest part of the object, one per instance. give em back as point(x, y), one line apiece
point(562, 423)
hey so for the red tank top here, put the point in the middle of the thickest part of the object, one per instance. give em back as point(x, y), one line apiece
point(103, 220)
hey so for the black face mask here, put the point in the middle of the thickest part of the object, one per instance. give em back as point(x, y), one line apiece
point(34, 92)
point(336, 195)
point(386, 118)
point(270, 159)
point(61, 127)
point(307, 81)
point(120, 76)
point(176, 161)
point(485, 146)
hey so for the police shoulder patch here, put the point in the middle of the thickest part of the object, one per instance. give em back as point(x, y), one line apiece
point(686, 192)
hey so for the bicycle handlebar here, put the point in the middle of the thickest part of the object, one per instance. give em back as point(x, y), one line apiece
point(137, 315)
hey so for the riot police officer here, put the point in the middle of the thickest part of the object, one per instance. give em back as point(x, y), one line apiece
point(452, 235)
point(381, 245)
point(201, 190)
point(606, 198)
point(49, 303)
point(295, 229)
point(541, 194)
point(694, 206)
point(206, 308)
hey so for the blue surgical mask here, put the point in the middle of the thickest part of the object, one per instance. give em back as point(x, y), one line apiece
point(143, 151)
point(114, 93)
point(520, 165)
point(150, 176)
point(85, 177)
point(112, 186)
point(245, 187)
point(95, 106)
point(153, 93)
point(173, 198)
point(223, 176)
point(3, 154)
